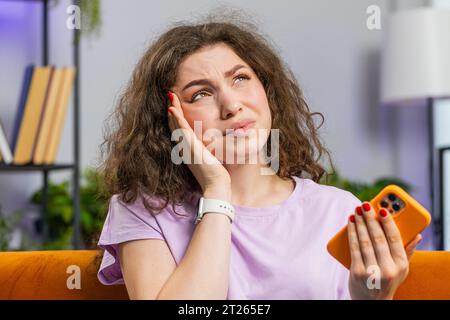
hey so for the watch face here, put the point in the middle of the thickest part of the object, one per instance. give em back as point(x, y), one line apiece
point(200, 208)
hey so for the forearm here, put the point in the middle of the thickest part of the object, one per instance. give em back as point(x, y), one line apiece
point(203, 273)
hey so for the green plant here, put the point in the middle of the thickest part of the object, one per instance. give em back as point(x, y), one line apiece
point(364, 191)
point(94, 205)
point(5, 231)
point(59, 215)
point(7, 227)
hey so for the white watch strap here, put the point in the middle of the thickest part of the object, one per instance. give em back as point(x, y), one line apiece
point(207, 205)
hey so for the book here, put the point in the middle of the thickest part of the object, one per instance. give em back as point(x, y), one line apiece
point(59, 115)
point(5, 151)
point(49, 111)
point(22, 101)
point(32, 114)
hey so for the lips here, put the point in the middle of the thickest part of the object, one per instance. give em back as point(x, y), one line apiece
point(240, 127)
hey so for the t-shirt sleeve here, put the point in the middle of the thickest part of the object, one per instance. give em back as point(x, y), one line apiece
point(123, 223)
point(343, 274)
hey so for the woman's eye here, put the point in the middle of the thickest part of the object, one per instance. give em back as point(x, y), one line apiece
point(243, 76)
point(197, 94)
point(194, 96)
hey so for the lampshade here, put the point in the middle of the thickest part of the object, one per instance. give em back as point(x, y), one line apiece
point(416, 55)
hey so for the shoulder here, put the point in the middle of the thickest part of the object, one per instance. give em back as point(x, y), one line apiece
point(328, 203)
point(312, 190)
point(132, 221)
point(137, 205)
point(327, 208)
point(163, 212)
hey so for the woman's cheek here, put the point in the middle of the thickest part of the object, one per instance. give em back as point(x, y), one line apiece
point(199, 127)
point(191, 117)
point(257, 99)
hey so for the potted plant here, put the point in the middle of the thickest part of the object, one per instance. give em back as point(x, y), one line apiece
point(364, 191)
point(59, 217)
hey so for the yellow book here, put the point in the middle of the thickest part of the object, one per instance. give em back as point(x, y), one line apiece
point(48, 116)
point(59, 116)
point(32, 115)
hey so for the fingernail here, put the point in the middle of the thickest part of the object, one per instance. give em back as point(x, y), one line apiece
point(170, 111)
point(383, 212)
point(170, 95)
point(352, 218)
point(359, 210)
point(366, 206)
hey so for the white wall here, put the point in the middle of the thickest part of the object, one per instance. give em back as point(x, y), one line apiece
point(442, 107)
point(442, 132)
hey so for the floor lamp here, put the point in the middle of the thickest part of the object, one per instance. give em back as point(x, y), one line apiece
point(416, 66)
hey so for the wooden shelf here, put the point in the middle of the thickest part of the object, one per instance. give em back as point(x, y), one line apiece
point(32, 167)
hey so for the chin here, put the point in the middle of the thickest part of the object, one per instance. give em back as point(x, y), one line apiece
point(245, 147)
point(241, 154)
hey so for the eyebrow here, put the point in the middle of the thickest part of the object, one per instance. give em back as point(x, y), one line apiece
point(206, 81)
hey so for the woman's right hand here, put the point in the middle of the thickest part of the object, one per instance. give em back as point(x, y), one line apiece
point(207, 169)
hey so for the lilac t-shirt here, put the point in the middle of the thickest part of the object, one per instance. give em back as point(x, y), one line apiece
point(277, 252)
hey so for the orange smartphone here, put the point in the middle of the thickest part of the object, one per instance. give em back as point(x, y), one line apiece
point(409, 215)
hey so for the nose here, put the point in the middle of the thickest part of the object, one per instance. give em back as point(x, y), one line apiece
point(230, 106)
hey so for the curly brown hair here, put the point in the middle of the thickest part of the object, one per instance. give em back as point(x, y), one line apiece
point(137, 149)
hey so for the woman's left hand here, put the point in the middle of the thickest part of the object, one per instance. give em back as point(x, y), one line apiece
point(380, 263)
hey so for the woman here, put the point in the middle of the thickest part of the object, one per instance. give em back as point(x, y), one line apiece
point(227, 78)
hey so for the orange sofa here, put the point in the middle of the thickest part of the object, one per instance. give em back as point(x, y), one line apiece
point(45, 274)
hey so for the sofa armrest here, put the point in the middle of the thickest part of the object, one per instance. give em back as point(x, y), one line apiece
point(44, 275)
point(428, 278)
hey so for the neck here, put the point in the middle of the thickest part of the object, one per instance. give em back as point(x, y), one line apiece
point(248, 184)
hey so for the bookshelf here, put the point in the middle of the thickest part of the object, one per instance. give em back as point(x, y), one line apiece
point(75, 165)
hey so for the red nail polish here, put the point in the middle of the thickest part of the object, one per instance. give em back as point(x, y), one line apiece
point(352, 218)
point(170, 111)
point(359, 210)
point(366, 206)
point(170, 95)
point(383, 212)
